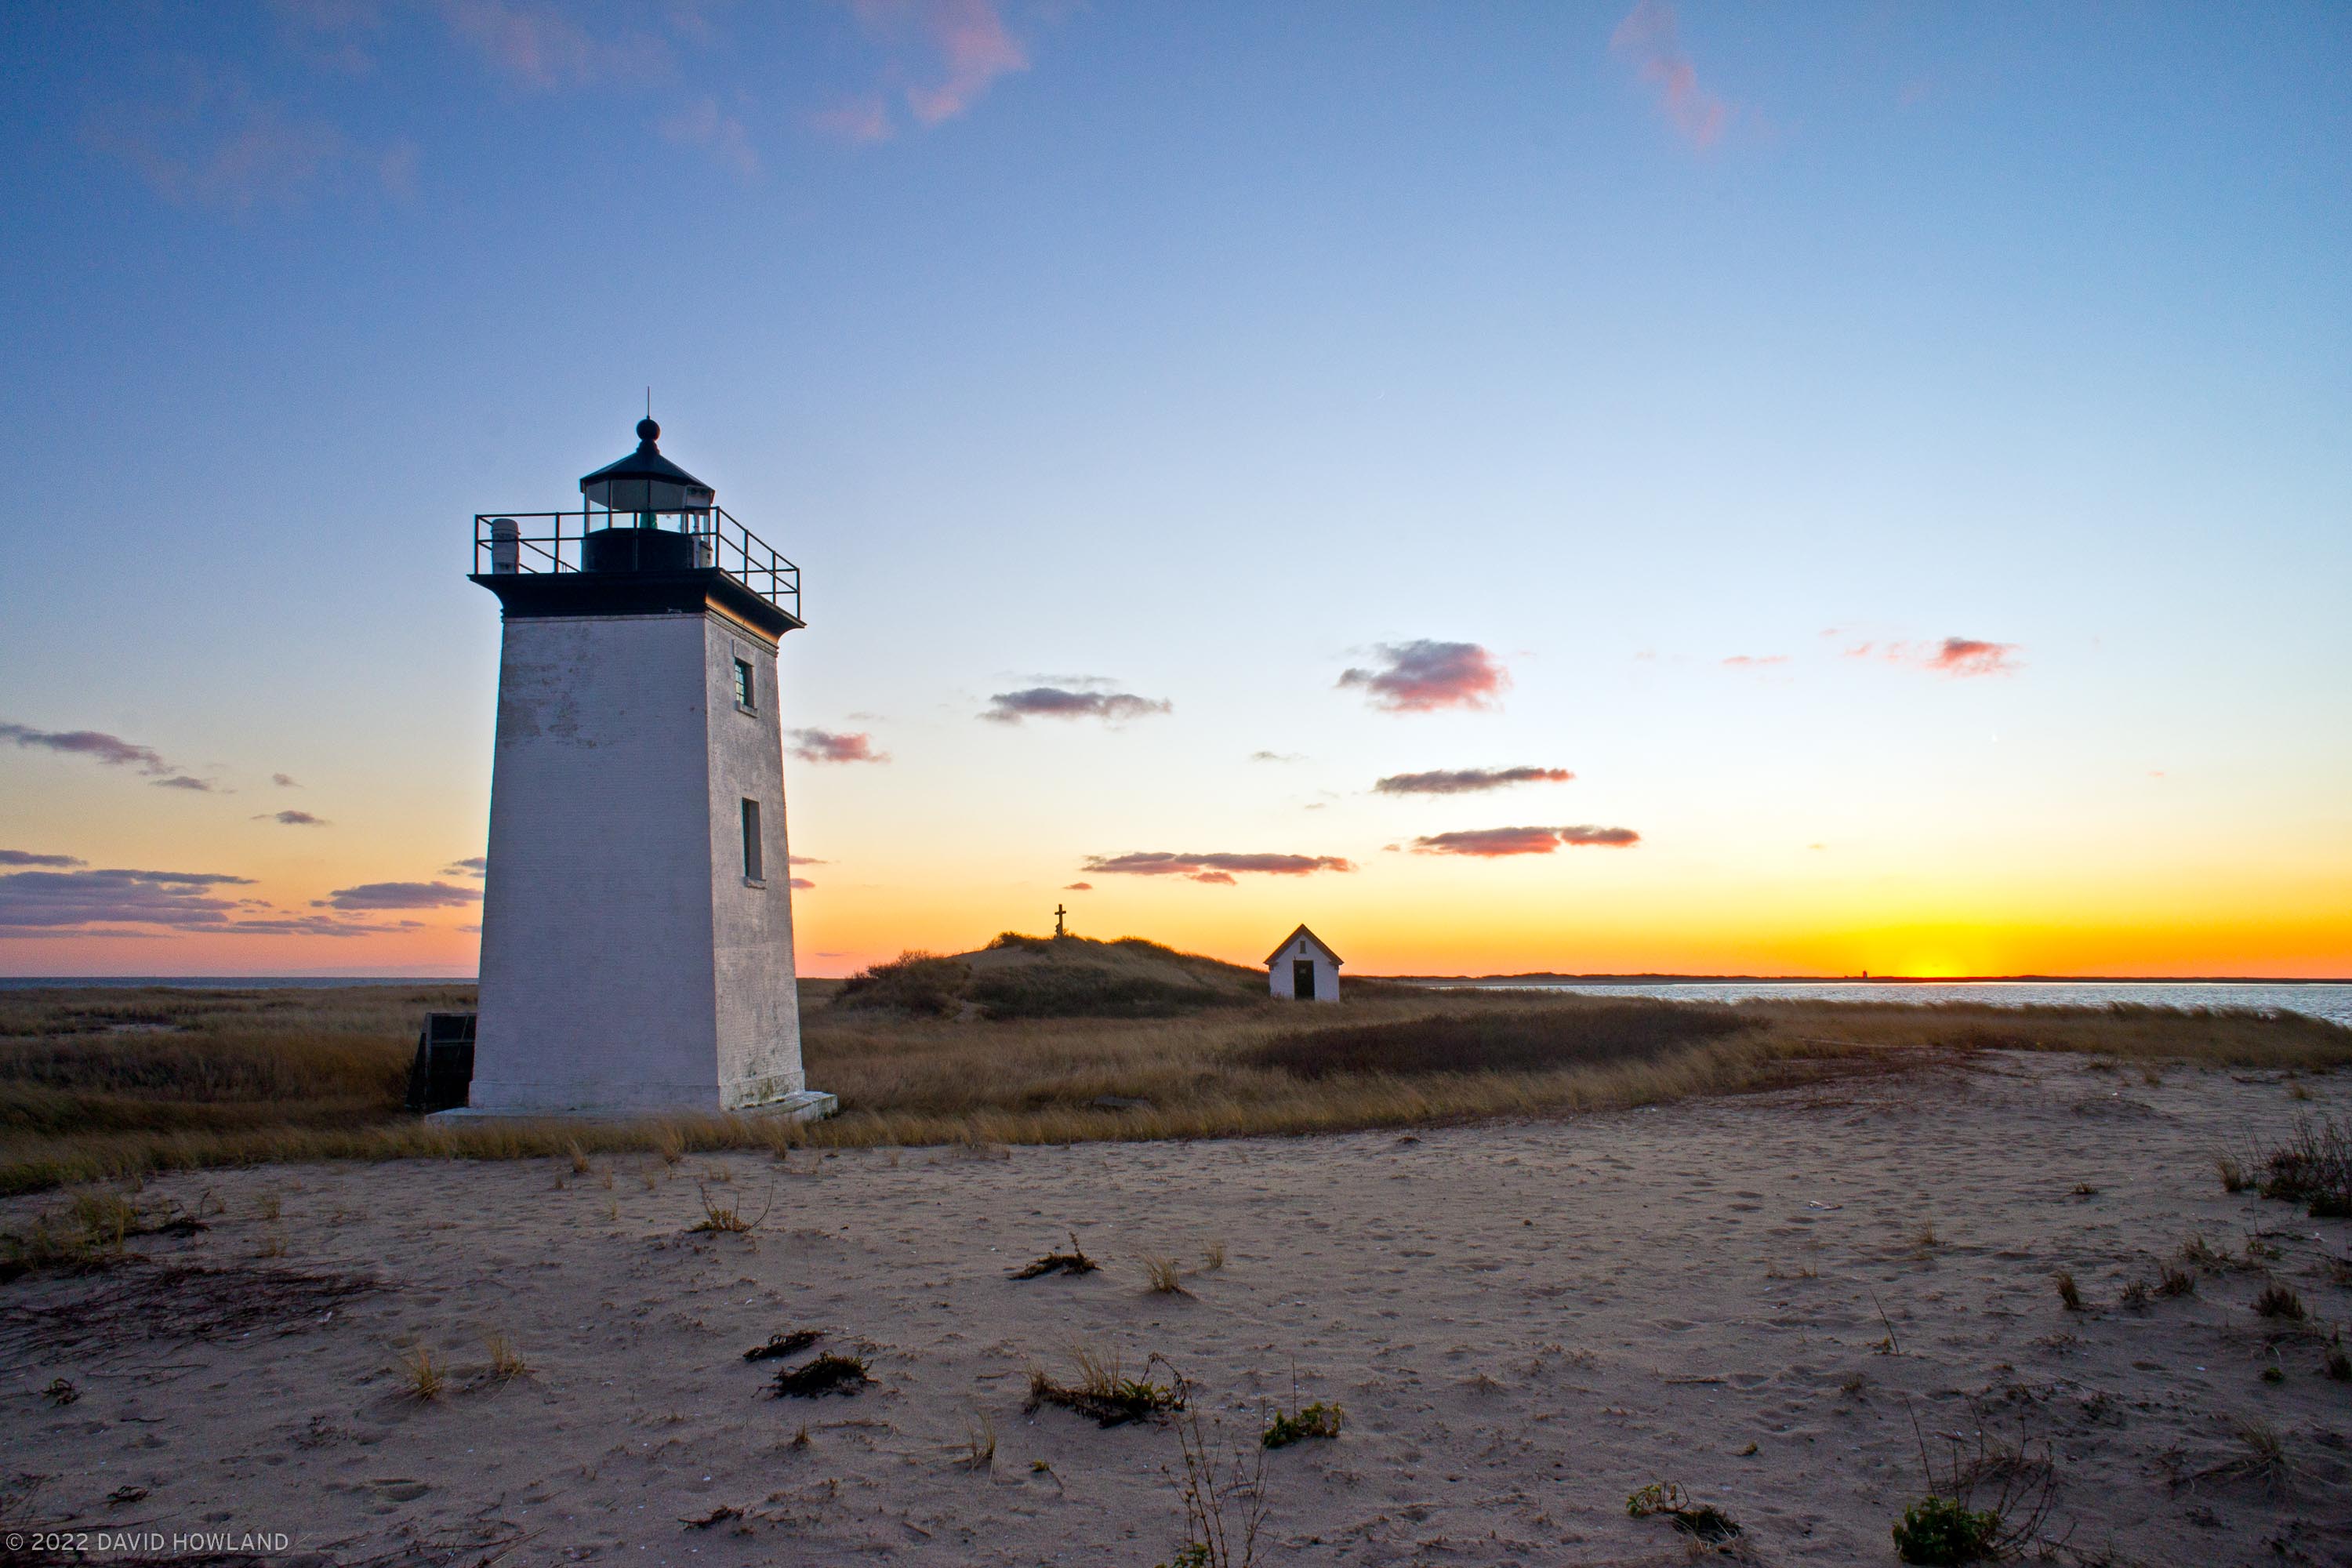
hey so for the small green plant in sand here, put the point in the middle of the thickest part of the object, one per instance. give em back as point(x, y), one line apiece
point(1667, 1500)
point(2070, 1295)
point(1317, 1420)
point(1223, 1496)
point(1103, 1390)
point(725, 1217)
point(1938, 1531)
point(1947, 1527)
point(828, 1374)
point(1073, 1262)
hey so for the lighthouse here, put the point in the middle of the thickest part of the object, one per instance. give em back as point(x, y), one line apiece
point(637, 915)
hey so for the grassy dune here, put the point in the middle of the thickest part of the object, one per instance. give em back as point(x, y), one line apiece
point(102, 1083)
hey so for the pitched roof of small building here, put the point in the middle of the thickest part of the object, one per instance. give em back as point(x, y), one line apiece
point(1283, 945)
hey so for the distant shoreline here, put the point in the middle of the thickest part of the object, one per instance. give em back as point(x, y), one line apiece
point(266, 982)
point(1551, 979)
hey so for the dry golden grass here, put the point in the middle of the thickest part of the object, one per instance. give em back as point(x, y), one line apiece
point(421, 1375)
point(506, 1361)
point(97, 1084)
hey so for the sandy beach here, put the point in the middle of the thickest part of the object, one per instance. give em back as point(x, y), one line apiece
point(1751, 1296)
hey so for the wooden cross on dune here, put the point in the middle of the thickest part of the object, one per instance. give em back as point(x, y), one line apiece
point(1058, 912)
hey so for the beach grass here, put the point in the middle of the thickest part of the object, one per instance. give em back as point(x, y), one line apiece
point(106, 1083)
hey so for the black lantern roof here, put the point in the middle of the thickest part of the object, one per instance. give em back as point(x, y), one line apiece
point(645, 480)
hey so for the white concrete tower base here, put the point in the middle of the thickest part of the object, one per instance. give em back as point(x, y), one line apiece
point(632, 962)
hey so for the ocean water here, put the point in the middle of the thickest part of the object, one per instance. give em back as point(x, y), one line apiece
point(2329, 1000)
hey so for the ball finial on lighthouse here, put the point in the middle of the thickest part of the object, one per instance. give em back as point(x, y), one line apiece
point(637, 918)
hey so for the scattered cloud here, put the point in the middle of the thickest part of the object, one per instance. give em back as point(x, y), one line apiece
point(293, 818)
point(214, 143)
point(800, 882)
point(1423, 677)
point(1277, 757)
point(182, 781)
point(284, 781)
point(827, 746)
point(962, 45)
point(37, 902)
point(1077, 887)
point(313, 925)
point(1218, 869)
point(705, 125)
point(544, 48)
point(1648, 39)
point(28, 857)
point(807, 860)
point(1972, 656)
point(472, 866)
point(1487, 843)
point(1066, 702)
point(1467, 781)
point(861, 121)
point(398, 895)
point(1754, 661)
point(1960, 657)
point(111, 751)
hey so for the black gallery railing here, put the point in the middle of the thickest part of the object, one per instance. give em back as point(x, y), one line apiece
point(554, 541)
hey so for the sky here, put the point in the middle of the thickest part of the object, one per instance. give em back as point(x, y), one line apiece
point(1692, 487)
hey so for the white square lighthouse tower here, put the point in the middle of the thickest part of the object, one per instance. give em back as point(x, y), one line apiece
point(637, 915)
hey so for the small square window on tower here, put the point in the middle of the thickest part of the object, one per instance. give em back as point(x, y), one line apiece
point(745, 692)
point(751, 841)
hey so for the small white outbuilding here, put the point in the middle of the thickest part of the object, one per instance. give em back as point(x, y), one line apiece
point(1304, 969)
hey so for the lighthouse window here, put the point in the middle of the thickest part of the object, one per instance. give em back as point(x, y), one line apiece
point(743, 688)
point(751, 841)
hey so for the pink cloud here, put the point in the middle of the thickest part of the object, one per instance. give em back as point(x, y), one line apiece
point(1487, 843)
point(1648, 37)
point(1212, 868)
point(827, 746)
point(1960, 657)
point(1423, 677)
point(1754, 661)
point(1971, 656)
point(966, 40)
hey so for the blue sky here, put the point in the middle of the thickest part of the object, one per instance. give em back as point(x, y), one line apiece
point(1200, 352)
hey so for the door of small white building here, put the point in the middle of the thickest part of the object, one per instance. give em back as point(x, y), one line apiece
point(1302, 979)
